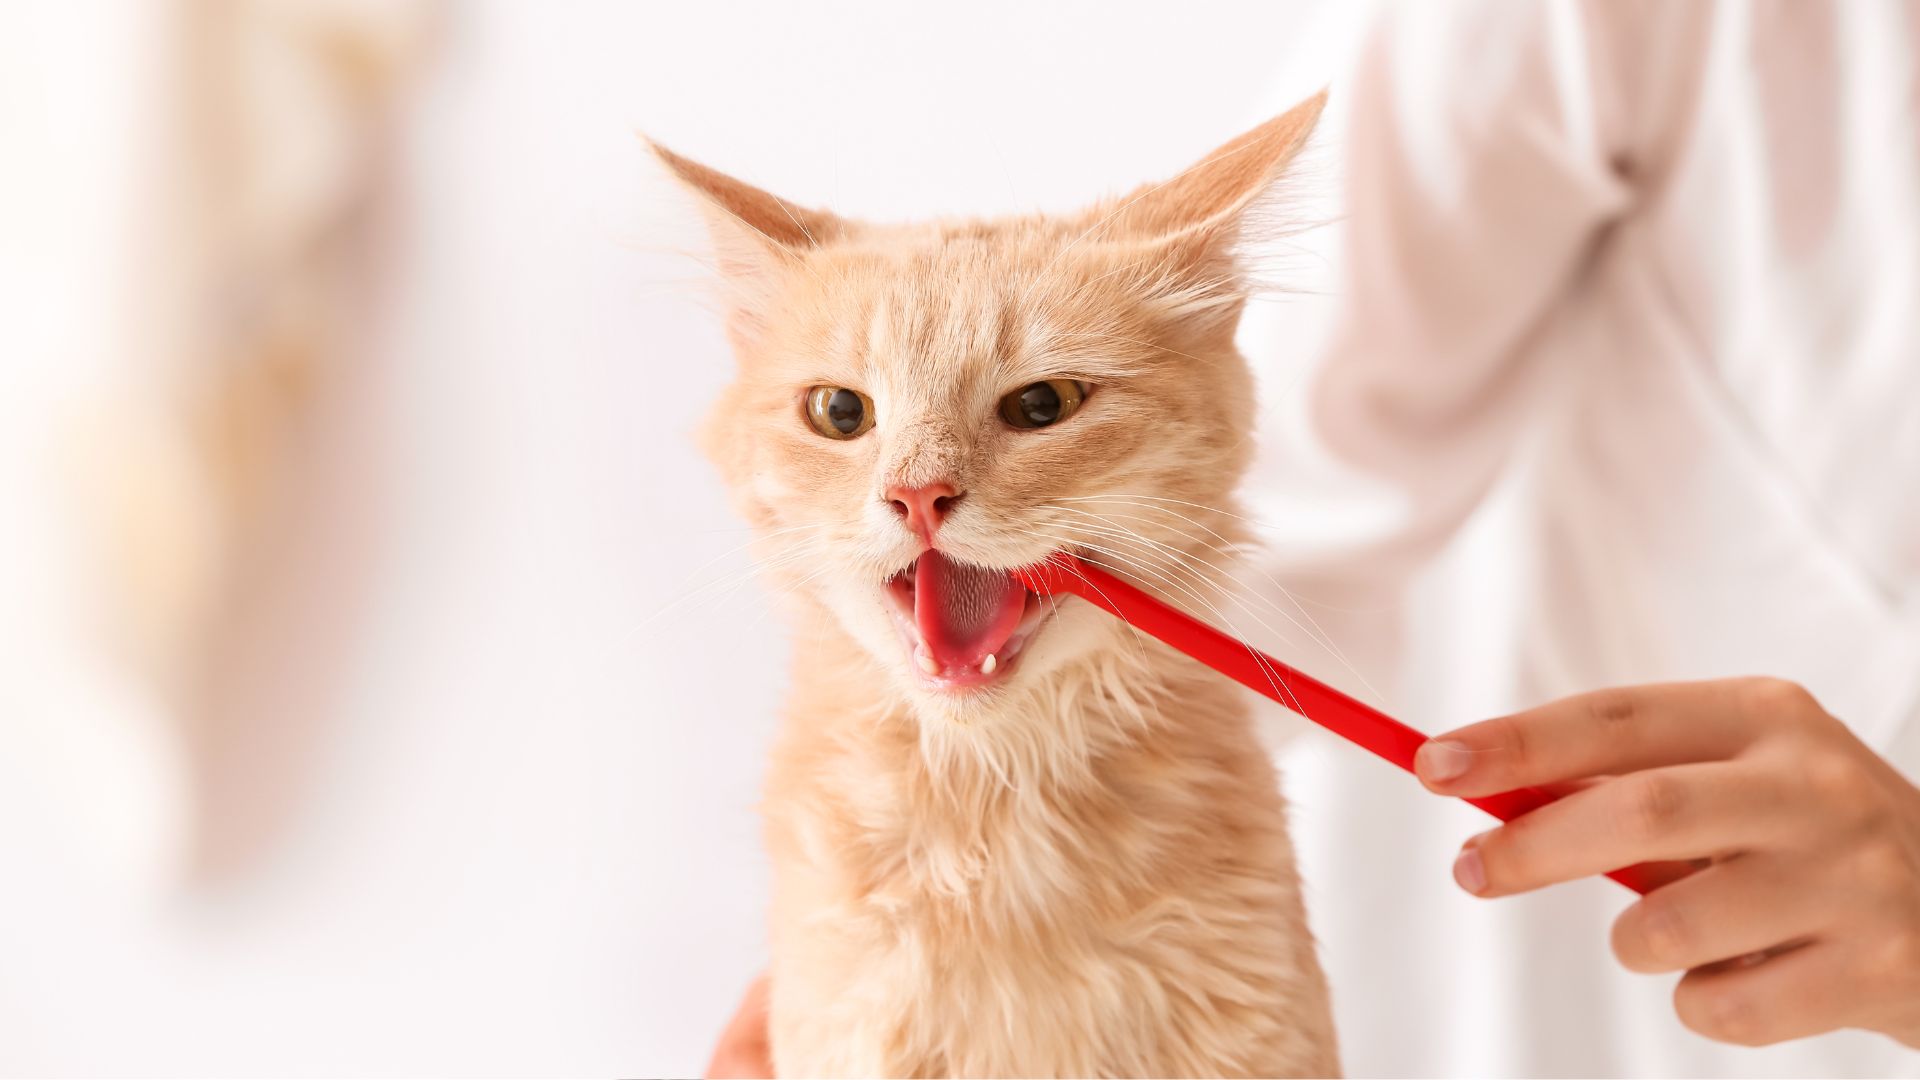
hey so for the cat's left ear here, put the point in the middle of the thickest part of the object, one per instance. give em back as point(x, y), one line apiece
point(1216, 192)
point(757, 236)
point(1192, 226)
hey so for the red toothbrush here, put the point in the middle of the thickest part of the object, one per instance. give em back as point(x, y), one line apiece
point(1353, 720)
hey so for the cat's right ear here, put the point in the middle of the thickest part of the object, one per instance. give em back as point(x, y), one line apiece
point(757, 236)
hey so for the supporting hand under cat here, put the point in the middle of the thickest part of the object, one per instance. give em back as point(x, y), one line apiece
point(1805, 914)
point(744, 1051)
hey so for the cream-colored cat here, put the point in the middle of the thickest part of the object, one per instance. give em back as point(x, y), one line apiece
point(1010, 837)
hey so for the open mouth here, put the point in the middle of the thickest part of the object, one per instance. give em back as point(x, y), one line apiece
point(964, 625)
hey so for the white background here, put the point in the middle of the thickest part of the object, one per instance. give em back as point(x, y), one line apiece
point(480, 798)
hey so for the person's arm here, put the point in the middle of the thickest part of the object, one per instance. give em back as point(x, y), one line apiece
point(1487, 149)
point(1490, 148)
point(1805, 914)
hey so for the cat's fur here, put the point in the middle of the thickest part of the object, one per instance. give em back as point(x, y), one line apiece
point(1082, 870)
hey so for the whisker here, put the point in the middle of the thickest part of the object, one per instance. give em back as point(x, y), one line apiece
point(1225, 547)
point(1255, 522)
point(1176, 560)
point(1110, 496)
point(1139, 643)
point(1312, 626)
point(1134, 562)
point(788, 592)
point(732, 581)
point(759, 536)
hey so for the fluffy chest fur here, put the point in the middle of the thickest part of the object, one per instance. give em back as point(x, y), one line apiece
point(979, 903)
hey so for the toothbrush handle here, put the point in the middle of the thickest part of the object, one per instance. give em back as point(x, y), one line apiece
point(1347, 717)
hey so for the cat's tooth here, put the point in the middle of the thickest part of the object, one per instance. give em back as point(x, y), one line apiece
point(927, 663)
point(987, 665)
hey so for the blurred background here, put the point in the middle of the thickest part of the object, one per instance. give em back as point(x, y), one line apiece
point(378, 689)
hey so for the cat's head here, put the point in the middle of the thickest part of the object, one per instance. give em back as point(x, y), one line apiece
point(920, 408)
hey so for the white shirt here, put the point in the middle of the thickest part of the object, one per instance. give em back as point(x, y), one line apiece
point(1625, 387)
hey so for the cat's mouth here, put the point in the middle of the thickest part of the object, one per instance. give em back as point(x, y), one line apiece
point(964, 626)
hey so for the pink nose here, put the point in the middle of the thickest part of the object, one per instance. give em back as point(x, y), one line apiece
point(924, 508)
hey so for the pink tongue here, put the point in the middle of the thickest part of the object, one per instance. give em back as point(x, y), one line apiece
point(964, 612)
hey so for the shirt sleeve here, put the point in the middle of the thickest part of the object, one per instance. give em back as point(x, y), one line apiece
point(1488, 148)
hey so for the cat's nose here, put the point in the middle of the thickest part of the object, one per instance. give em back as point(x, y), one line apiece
point(924, 508)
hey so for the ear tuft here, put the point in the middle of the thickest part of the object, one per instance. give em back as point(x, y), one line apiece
point(1190, 231)
point(757, 236)
point(1216, 191)
point(737, 204)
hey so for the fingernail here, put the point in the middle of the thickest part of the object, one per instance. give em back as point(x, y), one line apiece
point(1469, 871)
point(1441, 761)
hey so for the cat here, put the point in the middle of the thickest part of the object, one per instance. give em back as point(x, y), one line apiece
point(1009, 835)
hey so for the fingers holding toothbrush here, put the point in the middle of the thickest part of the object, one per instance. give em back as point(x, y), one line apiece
point(1805, 916)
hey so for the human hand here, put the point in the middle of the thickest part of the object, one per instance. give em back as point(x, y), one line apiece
point(1804, 916)
point(745, 1052)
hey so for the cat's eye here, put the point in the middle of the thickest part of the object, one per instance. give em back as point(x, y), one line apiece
point(839, 413)
point(1040, 404)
